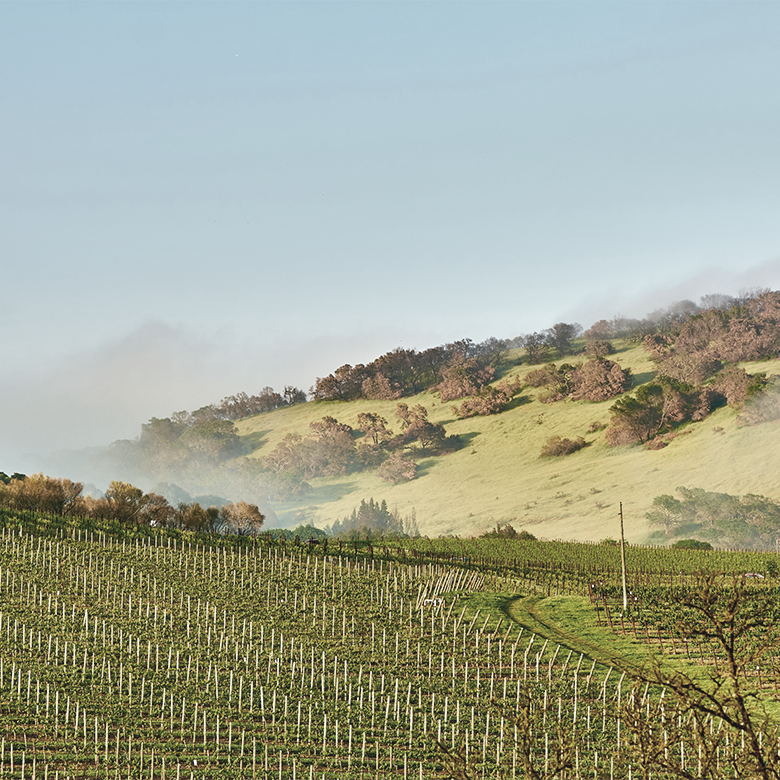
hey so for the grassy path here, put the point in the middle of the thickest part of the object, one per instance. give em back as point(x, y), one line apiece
point(570, 621)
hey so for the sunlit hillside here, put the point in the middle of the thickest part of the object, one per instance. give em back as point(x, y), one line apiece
point(498, 475)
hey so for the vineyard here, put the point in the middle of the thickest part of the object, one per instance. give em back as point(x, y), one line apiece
point(140, 653)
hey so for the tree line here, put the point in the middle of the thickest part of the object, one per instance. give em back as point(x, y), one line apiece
point(129, 506)
point(457, 369)
point(240, 405)
point(746, 522)
point(126, 505)
point(202, 449)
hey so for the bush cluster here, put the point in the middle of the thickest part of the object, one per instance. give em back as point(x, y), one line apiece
point(489, 400)
point(331, 448)
point(596, 380)
point(557, 445)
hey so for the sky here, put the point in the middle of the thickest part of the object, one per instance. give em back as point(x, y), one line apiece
point(202, 198)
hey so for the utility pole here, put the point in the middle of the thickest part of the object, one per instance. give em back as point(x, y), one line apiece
point(623, 558)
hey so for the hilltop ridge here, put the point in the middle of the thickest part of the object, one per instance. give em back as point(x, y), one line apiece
point(551, 431)
point(498, 475)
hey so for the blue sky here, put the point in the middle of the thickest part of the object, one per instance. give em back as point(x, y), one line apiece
point(202, 198)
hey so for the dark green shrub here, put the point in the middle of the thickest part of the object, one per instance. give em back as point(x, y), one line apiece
point(692, 544)
point(507, 531)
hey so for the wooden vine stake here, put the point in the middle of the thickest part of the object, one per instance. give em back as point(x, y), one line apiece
point(623, 558)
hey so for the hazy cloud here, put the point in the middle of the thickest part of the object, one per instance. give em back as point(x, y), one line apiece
point(91, 397)
point(638, 301)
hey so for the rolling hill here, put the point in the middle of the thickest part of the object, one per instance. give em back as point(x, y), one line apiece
point(498, 475)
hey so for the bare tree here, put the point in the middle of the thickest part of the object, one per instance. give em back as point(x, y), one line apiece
point(685, 726)
point(126, 501)
point(740, 619)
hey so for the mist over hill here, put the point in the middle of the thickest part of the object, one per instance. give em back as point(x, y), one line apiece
point(551, 429)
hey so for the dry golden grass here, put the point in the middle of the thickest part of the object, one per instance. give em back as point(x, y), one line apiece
point(498, 475)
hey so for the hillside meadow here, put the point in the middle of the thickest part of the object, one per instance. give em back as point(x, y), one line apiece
point(498, 475)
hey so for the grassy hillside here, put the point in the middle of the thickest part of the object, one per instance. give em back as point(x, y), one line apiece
point(498, 475)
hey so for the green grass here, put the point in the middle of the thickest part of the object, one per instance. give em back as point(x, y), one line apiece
point(498, 475)
point(571, 622)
